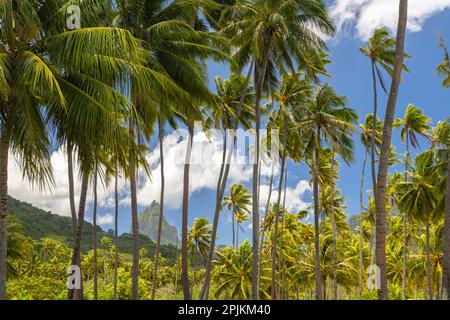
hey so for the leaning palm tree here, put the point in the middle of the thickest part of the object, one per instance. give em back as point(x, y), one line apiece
point(413, 124)
point(381, 51)
point(271, 35)
point(380, 194)
point(325, 116)
point(238, 203)
point(443, 69)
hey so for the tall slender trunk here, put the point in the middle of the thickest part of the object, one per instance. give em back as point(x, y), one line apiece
point(233, 221)
point(237, 234)
point(184, 228)
point(446, 255)
point(161, 208)
point(4, 151)
point(430, 290)
point(334, 229)
point(263, 231)
point(134, 217)
point(374, 128)
point(116, 232)
point(281, 261)
point(273, 287)
point(77, 294)
point(73, 210)
point(405, 223)
point(260, 74)
point(380, 199)
point(221, 184)
point(94, 235)
point(318, 278)
point(361, 241)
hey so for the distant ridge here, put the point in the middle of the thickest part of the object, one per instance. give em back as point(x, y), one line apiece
point(38, 224)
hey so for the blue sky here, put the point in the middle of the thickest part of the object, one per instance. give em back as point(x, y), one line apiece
point(351, 78)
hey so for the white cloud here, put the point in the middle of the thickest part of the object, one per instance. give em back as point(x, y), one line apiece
point(107, 219)
point(363, 16)
point(204, 171)
point(294, 196)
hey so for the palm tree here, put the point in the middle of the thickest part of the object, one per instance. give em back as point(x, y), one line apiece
point(418, 198)
point(199, 240)
point(443, 69)
point(271, 33)
point(414, 123)
point(366, 140)
point(238, 203)
point(381, 51)
point(380, 194)
point(324, 116)
point(33, 65)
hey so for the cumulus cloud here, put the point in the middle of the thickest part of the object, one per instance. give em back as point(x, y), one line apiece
point(106, 219)
point(360, 17)
point(204, 170)
point(295, 197)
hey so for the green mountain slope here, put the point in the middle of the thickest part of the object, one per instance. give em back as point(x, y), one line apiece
point(148, 225)
point(38, 224)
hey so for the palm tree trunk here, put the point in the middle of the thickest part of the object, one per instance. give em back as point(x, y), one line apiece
point(261, 242)
point(281, 261)
point(430, 290)
point(221, 184)
point(4, 152)
point(184, 228)
point(446, 255)
point(116, 232)
point(374, 128)
point(405, 223)
point(134, 217)
point(77, 294)
point(361, 208)
point(94, 235)
point(233, 218)
point(161, 208)
point(380, 199)
point(273, 287)
point(334, 229)
point(260, 74)
point(318, 278)
point(73, 210)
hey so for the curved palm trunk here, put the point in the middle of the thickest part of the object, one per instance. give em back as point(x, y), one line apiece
point(318, 278)
point(73, 210)
point(221, 184)
point(380, 199)
point(446, 257)
point(134, 218)
point(4, 151)
point(184, 228)
point(361, 208)
point(260, 74)
point(94, 235)
point(161, 209)
point(334, 229)
point(116, 233)
point(77, 294)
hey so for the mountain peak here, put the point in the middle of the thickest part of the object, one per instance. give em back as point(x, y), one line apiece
point(148, 225)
